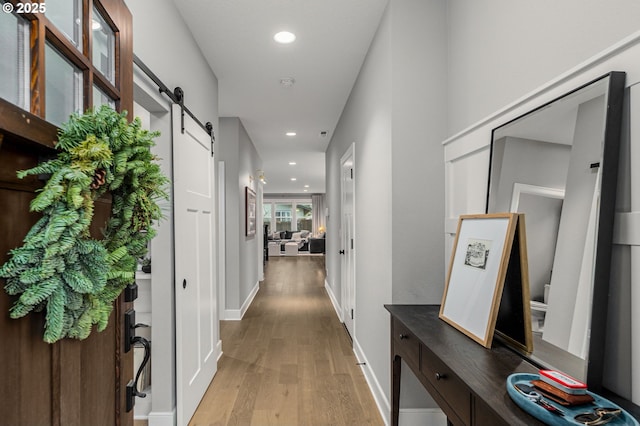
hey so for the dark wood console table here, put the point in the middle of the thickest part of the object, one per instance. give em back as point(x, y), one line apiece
point(464, 378)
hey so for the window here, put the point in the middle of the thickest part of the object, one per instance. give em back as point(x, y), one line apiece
point(266, 215)
point(67, 17)
point(101, 98)
point(304, 217)
point(283, 217)
point(63, 87)
point(288, 215)
point(103, 46)
point(15, 63)
point(78, 67)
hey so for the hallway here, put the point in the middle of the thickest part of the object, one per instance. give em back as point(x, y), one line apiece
point(289, 361)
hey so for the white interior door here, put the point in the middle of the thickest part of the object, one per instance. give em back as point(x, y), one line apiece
point(196, 314)
point(347, 250)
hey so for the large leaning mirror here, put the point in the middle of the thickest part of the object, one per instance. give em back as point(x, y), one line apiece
point(558, 165)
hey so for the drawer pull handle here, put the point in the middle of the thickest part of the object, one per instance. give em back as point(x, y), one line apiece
point(440, 376)
point(403, 336)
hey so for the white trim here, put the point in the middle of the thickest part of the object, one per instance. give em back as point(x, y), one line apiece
point(422, 416)
point(542, 191)
point(219, 349)
point(222, 250)
point(334, 301)
point(384, 407)
point(161, 418)
point(146, 93)
point(577, 71)
point(237, 314)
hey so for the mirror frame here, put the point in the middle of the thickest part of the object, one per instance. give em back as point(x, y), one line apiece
point(606, 214)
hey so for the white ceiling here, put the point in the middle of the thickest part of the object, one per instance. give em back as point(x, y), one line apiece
point(236, 38)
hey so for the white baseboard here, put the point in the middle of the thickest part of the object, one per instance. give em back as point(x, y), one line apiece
point(334, 301)
point(237, 314)
point(422, 417)
point(162, 419)
point(219, 349)
point(378, 392)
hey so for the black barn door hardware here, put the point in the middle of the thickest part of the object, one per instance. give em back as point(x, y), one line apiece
point(177, 96)
point(130, 339)
point(209, 128)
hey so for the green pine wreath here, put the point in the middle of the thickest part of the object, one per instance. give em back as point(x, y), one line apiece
point(60, 268)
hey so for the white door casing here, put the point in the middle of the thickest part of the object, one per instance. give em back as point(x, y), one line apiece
point(195, 288)
point(347, 238)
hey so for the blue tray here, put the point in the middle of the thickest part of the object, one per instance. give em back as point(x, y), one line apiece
point(569, 412)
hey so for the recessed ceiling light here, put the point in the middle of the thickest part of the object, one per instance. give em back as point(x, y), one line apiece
point(306, 190)
point(292, 163)
point(294, 179)
point(284, 37)
point(291, 133)
point(306, 186)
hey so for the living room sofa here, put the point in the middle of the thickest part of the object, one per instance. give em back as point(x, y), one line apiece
point(299, 237)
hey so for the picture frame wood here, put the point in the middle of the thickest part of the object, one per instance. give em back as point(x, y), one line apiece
point(477, 270)
point(250, 212)
point(513, 324)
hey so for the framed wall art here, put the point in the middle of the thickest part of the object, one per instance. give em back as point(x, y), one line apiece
point(477, 271)
point(250, 212)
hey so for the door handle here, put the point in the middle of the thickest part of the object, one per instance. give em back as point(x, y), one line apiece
point(341, 252)
point(184, 283)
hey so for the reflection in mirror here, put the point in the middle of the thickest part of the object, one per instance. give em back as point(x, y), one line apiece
point(550, 165)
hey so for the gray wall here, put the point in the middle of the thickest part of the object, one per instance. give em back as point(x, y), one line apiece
point(418, 128)
point(487, 54)
point(241, 160)
point(164, 43)
point(546, 165)
point(399, 178)
point(157, 47)
point(500, 50)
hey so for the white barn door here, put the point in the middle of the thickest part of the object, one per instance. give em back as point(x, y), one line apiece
point(195, 288)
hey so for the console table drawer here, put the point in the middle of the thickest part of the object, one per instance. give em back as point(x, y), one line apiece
point(406, 344)
point(446, 384)
point(484, 416)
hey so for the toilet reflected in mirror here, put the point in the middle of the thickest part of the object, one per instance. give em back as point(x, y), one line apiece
point(538, 312)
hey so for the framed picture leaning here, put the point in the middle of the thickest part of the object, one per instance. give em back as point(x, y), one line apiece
point(477, 270)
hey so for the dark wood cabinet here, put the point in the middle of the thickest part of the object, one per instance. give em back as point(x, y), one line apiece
point(465, 379)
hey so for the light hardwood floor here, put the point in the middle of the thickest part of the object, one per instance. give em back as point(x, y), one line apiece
point(289, 361)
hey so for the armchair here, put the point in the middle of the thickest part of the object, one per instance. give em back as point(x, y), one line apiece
point(317, 245)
